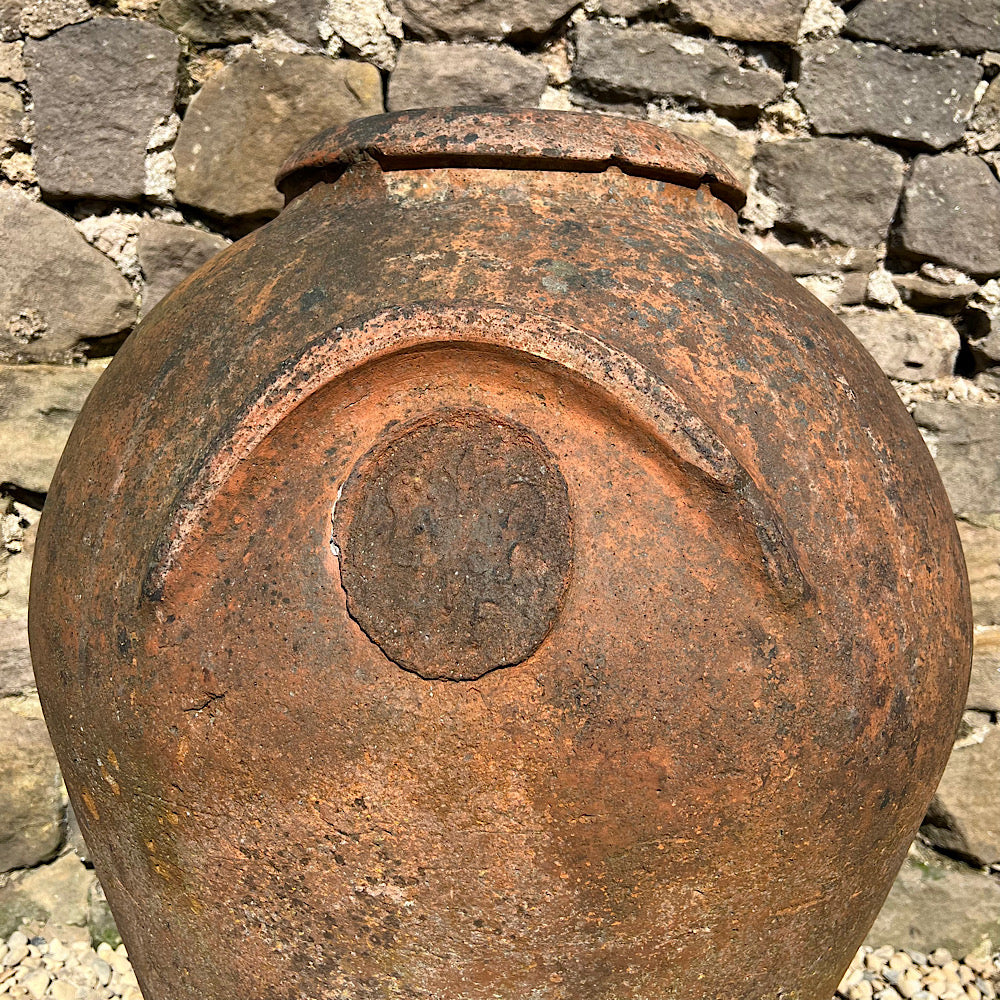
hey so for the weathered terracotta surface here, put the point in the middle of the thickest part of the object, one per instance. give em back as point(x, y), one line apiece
point(674, 631)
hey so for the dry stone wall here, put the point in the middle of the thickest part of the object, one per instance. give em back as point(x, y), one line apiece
point(139, 137)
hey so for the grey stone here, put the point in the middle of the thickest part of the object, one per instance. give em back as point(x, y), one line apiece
point(984, 685)
point(907, 345)
point(734, 149)
point(38, 406)
point(629, 8)
point(646, 62)
point(213, 21)
point(763, 21)
point(16, 676)
point(964, 439)
point(169, 253)
point(74, 835)
point(58, 891)
point(99, 90)
point(924, 293)
point(859, 89)
point(981, 544)
point(437, 74)
point(11, 61)
point(937, 903)
point(489, 20)
point(248, 118)
point(100, 919)
point(966, 25)
point(57, 292)
point(951, 213)
point(842, 189)
point(964, 816)
point(31, 805)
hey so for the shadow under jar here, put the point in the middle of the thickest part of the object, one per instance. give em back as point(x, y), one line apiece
point(494, 578)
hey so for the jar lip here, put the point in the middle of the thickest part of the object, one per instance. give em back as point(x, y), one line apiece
point(523, 139)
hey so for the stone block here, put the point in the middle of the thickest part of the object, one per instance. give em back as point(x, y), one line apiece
point(964, 439)
point(964, 816)
point(211, 22)
point(803, 260)
point(57, 892)
point(168, 253)
point(19, 527)
point(986, 118)
point(488, 20)
point(763, 21)
point(11, 61)
point(12, 120)
point(733, 147)
point(841, 189)
point(366, 27)
point(16, 676)
point(937, 903)
point(99, 90)
point(951, 213)
point(852, 88)
point(38, 406)
point(31, 802)
point(984, 685)
point(438, 74)
point(247, 119)
point(966, 25)
point(906, 345)
point(647, 62)
point(57, 292)
point(981, 544)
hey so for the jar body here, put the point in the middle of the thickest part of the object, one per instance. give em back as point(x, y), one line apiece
point(688, 762)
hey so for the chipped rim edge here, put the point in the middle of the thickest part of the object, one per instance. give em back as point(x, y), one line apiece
point(523, 139)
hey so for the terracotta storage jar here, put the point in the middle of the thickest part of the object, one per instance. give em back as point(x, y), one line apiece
point(494, 579)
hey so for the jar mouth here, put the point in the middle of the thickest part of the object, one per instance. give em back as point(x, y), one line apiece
point(573, 141)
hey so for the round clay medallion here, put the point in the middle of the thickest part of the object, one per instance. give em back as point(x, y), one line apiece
point(454, 538)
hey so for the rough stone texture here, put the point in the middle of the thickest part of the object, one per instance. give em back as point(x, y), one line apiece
point(31, 804)
point(38, 18)
point(981, 543)
point(16, 676)
point(169, 253)
point(842, 189)
point(99, 89)
point(733, 147)
point(964, 816)
point(57, 292)
point(986, 118)
point(437, 74)
point(646, 62)
point(984, 685)
point(907, 345)
point(247, 119)
point(964, 439)
point(11, 62)
point(951, 213)
point(213, 21)
point(936, 903)
point(38, 405)
point(11, 116)
point(802, 260)
point(764, 21)
point(19, 530)
point(923, 293)
point(966, 25)
point(59, 892)
point(860, 89)
point(366, 27)
point(482, 19)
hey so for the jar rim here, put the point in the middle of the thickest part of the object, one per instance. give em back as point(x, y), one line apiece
point(523, 139)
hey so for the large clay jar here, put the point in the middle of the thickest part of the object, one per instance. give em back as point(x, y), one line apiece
point(495, 579)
